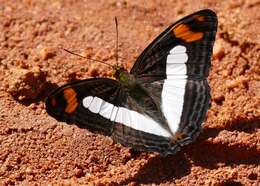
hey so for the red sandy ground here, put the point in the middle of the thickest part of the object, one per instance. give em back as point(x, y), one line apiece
point(36, 149)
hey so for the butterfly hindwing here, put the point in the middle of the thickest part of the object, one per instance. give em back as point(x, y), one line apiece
point(148, 129)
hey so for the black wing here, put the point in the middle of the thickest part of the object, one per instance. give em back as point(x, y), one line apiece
point(66, 103)
point(195, 32)
point(102, 105)
point(173, 69)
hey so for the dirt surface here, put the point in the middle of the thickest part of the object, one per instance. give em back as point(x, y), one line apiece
point(36, 149)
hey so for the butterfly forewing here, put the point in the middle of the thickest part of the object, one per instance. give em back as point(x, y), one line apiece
point(188, 42)
point(86, 103)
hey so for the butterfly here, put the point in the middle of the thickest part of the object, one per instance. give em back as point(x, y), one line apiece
point(161, 103)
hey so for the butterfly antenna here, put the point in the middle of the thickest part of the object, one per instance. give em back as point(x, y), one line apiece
point(95, 60)
point(116, 41)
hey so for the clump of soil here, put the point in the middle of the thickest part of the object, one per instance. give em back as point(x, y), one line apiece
point(25, 84)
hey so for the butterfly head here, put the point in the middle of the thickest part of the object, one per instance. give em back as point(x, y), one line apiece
point(122, 75)
point(118, 71)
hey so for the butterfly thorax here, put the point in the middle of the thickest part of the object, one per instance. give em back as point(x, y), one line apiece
point(124, 77)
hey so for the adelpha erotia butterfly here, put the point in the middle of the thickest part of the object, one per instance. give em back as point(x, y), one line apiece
point(161, 104)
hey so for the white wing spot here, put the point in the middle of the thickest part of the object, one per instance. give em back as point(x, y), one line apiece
point(176, 69)
point(106, 109)
point(95, 105)
point(114, 113)
point(86, 101)
point(178, 49)
point(177, 58)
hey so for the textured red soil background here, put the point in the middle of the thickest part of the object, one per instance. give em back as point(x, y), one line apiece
point(35, 148)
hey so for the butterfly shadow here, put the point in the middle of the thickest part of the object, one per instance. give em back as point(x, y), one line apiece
point(159, 169)
point(40, 97)
point(209, 154)
point(202, 153)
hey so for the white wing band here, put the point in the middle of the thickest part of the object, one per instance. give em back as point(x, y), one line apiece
point(129, 118)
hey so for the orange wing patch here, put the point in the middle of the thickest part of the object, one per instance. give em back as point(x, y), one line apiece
point(178, 136)
point(183, 32)
point(199, 18)
point(71, 97)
